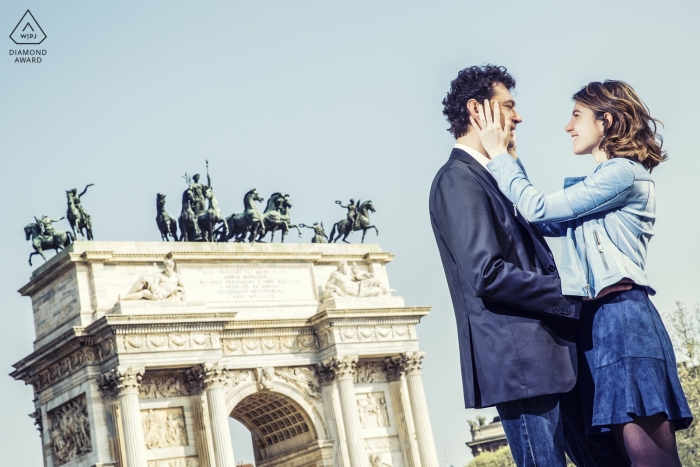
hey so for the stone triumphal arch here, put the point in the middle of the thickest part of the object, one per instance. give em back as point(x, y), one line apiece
point(143, 351)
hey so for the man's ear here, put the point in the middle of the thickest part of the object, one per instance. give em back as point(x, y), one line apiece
point(473, 108)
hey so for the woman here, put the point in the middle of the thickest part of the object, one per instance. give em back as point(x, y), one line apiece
point(605, 221)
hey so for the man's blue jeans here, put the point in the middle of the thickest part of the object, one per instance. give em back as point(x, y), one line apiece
point(540, 429)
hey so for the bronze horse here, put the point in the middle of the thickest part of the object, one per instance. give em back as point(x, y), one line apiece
point(166, 224)
point(276, 216)
point(361, 223)
point(249, 220)
point(58, 241)
point(189, 231)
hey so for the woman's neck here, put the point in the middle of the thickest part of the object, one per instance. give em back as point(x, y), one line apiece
point(599, 155)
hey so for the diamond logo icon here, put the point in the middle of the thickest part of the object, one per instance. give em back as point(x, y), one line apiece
point(28, 31)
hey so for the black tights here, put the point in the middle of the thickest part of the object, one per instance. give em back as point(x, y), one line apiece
point(648, 441)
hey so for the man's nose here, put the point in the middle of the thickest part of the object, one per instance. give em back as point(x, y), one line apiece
point(517, 118)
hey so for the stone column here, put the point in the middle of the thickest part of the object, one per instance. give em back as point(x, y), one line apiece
point(402, 412)
point(125, 383)
point(215, 377)
point(344, 370)
point(410, 363)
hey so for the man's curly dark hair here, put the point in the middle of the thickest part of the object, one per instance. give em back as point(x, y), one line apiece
point(475, 82)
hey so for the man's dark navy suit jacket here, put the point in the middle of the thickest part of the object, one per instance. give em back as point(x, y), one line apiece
point(515, 327)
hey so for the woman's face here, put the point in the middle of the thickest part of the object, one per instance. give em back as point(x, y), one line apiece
point(586, 131)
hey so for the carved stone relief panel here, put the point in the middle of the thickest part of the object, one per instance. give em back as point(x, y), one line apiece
point(69, 430)
point(370, 372)
point(325, 338)
point(395, 332)
point(177, 462)
point(380, 460)
point(303, 378)
point(132, 343)
point(270, 344)
point(372, 409)
point(69, 364)
point(158, 385)
point(384, 452)
point(164, 428)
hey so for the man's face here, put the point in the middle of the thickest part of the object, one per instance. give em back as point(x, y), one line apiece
point(506, 101)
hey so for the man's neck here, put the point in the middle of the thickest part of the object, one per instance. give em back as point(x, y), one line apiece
point(472, 140)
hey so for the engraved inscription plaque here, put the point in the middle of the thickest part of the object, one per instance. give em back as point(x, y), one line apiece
point(247, 283)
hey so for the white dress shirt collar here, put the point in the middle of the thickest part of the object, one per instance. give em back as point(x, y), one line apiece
point(480, 158)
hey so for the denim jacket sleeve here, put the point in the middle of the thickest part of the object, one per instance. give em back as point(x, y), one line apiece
point(606, 188)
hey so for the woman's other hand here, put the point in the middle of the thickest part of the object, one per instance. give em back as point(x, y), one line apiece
point(622, 286)
point(494, 137)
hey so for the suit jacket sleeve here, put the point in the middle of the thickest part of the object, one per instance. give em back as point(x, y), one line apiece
point(463, 216)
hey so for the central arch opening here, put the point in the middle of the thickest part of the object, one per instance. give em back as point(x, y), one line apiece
point(276, 423)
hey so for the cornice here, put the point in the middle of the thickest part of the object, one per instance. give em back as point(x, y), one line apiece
point(169, 318)
point(108, 254)
point(368, 313)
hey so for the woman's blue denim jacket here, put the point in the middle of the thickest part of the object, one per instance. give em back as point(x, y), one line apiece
point(605, 220)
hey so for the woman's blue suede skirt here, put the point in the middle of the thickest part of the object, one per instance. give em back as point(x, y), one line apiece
point(627, 367)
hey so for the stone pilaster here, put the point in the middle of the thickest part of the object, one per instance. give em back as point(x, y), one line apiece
point(409, 364)
point(125, 382)
point(343, 369)
point(214, 378)
point(200, 418)
point(402, 412)
point(333, 415)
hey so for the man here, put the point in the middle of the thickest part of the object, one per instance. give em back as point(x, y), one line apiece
point(46, 226)
point(165, 285)
point(352, 213)
point(78, 204)
point(514, 325)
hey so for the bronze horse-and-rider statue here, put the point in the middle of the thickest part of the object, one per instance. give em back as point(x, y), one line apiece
point(44, 237)
point(357, 219)
point(77, 217)
point(277, 216)
point(249, 221)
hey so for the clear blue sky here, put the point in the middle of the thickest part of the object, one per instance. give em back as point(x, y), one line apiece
point(325, 101)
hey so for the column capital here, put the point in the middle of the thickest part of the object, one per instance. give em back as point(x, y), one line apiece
point(343, 367)
point(208, 375)
point(324, 373)
point(121, 380)
point(407, 363)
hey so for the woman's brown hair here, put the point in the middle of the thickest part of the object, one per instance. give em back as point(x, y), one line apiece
point(632, 134)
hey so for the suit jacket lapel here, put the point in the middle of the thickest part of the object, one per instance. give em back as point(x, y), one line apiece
point(490, 184)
